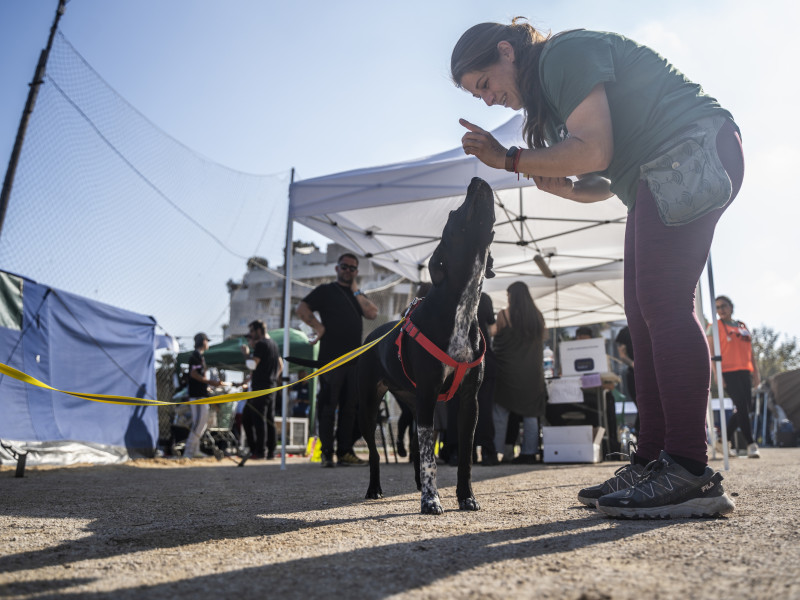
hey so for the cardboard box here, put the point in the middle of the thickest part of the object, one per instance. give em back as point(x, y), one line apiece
point(572, 444)
point(583, 356)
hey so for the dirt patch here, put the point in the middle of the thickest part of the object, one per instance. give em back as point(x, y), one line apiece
point(166, 529)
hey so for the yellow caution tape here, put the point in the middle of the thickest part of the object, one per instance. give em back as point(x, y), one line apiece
point(222, 399)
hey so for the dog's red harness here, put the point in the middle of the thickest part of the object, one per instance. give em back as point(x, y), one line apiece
point(414, 333)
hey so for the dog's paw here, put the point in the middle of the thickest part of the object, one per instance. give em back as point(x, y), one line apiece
point(469, 504)
point(374, 494)
point(431, 506)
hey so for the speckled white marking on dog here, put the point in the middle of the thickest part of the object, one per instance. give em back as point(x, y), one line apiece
point(427, 464)
point(460, 348)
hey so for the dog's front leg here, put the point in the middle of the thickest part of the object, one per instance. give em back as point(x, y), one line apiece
point(430, 504)
point(427, 472)
point(467, 420)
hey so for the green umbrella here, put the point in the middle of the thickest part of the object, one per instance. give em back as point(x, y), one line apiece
point(228, 354)
point(299, 346)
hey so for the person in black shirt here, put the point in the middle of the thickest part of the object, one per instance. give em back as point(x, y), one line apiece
point(258, 416)
point(198, 388)
point(340, 305)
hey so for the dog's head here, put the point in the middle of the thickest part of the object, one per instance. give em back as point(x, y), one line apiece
point(463, 256)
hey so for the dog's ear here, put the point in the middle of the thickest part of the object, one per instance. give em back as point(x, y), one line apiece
point(489, 264)
point(436, 267)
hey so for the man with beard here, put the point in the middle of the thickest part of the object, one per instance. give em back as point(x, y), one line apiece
point(341, 305)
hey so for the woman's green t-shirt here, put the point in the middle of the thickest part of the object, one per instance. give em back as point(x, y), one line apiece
point(650, 100)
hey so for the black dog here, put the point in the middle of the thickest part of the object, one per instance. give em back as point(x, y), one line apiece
point(448, 318)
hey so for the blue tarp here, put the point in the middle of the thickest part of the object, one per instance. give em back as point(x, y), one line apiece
point(77, 344)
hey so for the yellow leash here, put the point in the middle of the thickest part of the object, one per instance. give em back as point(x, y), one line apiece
point(129, 401)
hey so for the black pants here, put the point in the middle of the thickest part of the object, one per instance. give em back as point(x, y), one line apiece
point(739, 386)
point(258, 422)
point(337, 391)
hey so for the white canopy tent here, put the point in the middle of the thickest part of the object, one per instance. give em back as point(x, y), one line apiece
point(394, 215)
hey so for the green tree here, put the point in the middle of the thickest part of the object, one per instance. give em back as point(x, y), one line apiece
point(773, 355)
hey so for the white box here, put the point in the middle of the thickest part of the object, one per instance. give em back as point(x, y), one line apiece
point(572, 444)
point(583, 356)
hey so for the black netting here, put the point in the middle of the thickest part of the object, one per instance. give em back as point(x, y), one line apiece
point(107, 205)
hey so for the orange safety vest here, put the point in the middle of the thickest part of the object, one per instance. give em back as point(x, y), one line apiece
point(736, 346)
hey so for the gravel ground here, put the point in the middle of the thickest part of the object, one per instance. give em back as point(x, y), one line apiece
point(174, 528)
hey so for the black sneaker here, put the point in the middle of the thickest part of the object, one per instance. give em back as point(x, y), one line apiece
point(489, 459)
point(667, 491)
point(623, 478)
point(524, 459)
point(327, 462)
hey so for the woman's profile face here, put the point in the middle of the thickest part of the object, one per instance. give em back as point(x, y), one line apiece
point(497, 84)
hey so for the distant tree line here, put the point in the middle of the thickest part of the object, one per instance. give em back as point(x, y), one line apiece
point(774, 355)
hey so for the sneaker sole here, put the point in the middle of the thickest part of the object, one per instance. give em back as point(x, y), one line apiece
point(696, 507)
point(590, 502)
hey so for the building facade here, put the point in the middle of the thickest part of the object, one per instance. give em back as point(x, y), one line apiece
point(260, 293)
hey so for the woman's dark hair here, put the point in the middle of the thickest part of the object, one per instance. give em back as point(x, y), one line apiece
point(258, 325)
point(477, 50)
point(523, 312)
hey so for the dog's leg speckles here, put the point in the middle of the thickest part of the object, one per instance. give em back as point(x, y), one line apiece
point(427, 472)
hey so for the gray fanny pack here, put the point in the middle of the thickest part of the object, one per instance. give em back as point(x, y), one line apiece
point(687, 179)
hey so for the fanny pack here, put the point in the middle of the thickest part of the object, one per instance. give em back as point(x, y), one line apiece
point(688, 180)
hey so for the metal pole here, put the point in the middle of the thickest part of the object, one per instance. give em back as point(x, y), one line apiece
point(698, 306)
point(38, 78)
point(716, 362)
point(287, 309)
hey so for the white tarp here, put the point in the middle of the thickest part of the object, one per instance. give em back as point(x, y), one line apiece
point(394, 215)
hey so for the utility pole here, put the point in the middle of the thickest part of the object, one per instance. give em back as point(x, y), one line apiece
point(38, 78)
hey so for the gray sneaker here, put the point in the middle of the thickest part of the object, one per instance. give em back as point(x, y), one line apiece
point(623, 478)
point(666, 491)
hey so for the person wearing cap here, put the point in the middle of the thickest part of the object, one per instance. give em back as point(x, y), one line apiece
point(198, 388)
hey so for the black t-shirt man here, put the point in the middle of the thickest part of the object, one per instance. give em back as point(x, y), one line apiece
point(197, 362)
point(341, 314)
point(264, 375)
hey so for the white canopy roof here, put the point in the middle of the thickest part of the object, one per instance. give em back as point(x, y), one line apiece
point(394, 215)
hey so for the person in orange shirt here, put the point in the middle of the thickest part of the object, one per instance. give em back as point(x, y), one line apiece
point(739, 369)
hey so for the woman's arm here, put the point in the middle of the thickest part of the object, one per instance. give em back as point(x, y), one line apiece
point(588, 149)
point(756, 375)
point(589, 188)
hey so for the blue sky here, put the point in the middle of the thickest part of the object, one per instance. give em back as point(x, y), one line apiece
point(323, 87)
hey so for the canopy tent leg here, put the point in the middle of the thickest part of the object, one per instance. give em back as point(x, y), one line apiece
point(287, 311)
point(716, 363)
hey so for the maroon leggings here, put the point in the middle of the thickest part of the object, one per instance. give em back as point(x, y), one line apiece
point(672, 366)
